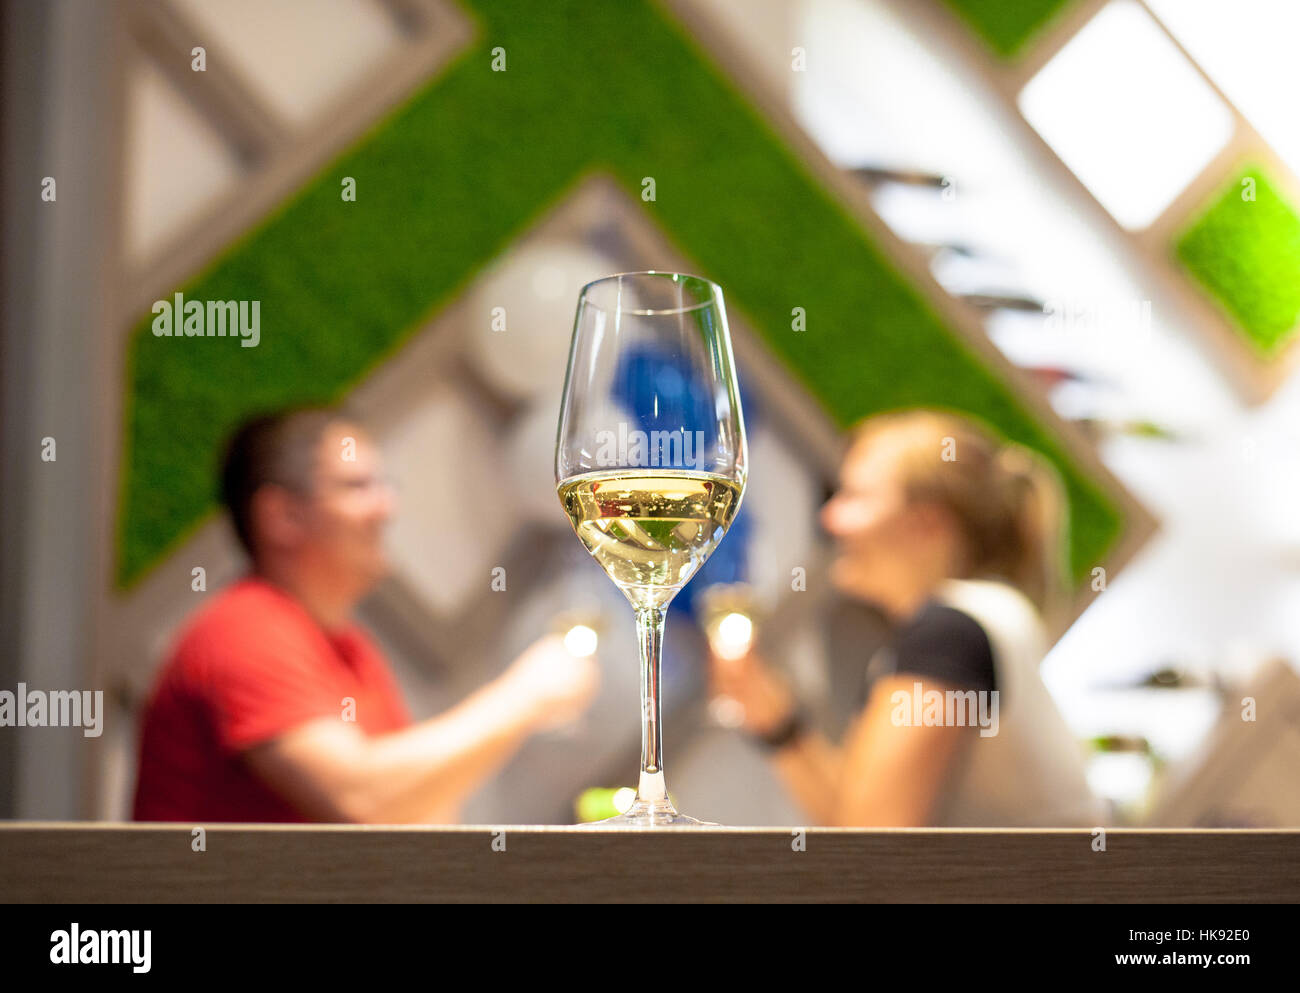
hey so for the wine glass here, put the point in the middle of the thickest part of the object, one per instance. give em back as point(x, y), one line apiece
point(650, 463)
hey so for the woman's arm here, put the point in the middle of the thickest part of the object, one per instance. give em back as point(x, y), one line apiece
point(810, 769)
point(808, 765)
point(883, 775)
point(891, 774)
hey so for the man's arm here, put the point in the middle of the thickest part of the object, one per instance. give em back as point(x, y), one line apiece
point(333, 771)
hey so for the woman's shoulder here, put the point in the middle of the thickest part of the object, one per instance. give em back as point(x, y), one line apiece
point(989, 601)
point(1009, 618)
point(945, 643)
point(939, 621)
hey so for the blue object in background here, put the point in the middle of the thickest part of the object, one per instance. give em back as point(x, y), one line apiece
point(659, 389)
point(659, 392)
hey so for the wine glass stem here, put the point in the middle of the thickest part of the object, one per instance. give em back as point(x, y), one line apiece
point(650, 637)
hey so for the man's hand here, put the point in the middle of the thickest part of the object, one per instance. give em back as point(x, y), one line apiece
point(558, 684)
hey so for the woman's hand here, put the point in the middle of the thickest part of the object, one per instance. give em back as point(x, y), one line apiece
point(810, 765)
point(764, 696)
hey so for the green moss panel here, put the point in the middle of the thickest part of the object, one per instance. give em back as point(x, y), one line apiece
point(466, 167)
point(1243, 249)
point(1007, 26)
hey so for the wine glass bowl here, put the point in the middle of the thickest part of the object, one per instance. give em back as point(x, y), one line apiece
point(650, 462)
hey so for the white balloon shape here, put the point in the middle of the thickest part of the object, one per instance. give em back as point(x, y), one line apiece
point(534, 292)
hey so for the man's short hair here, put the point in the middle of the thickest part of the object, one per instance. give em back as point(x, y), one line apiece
point(277, 448)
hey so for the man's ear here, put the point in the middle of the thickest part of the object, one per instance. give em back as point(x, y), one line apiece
point(277, 517)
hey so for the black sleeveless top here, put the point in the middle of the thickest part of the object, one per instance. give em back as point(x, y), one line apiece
point(941, 643)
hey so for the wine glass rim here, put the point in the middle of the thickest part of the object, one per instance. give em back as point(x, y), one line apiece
point(716, 292)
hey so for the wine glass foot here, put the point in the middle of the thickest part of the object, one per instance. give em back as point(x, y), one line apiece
point(648, 815)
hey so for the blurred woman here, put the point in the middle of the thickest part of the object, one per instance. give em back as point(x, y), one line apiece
point(959, 539)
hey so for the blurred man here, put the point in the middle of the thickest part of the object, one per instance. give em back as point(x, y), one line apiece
point(276, 706)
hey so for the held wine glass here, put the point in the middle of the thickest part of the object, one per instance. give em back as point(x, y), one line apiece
point(650, 463)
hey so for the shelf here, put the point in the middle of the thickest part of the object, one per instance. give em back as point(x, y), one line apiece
point(147, 863)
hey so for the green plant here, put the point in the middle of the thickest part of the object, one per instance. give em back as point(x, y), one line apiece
point(1244, 250)
point(1007, 25)
point(466, 166)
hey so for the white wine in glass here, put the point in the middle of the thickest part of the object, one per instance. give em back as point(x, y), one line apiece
point(650, 529)
point(650, 463)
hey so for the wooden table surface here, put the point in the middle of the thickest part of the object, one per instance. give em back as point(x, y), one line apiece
point(146, 863)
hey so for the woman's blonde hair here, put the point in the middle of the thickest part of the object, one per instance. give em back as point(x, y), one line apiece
point(1006, 499)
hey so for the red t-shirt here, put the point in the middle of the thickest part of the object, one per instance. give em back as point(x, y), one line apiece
point(250, 666)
